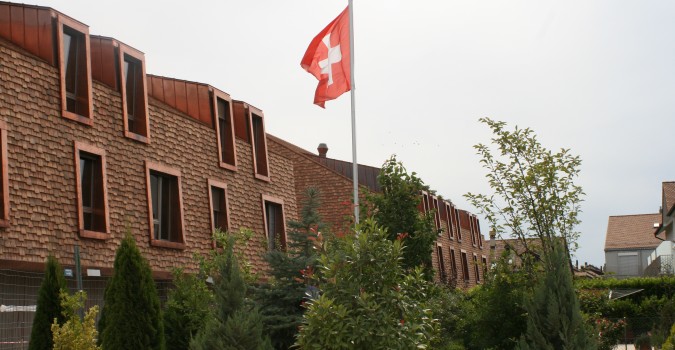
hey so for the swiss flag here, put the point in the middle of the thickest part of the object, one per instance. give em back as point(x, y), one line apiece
point(327, 58)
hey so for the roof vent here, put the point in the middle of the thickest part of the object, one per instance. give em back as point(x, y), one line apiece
point(323, 149)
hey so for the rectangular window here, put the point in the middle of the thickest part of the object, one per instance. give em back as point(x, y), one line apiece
point(275, 223)
point(476, 269)
point(225, 130)
point(457, 224)
point(453, 264)
point(485, 265)
point(478, 234)
point(441, 264)
point(465, 267)
point(134, 96)
point(165, 206)
point(4, 178)
point(75, 70)
point(219, 205)
point(259, 143)
point(91, 191)
point(449, 220)
point(437, 212)
point(472, 229)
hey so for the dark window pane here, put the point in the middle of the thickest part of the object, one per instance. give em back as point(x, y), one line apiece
point(219, 214)
point(165, 206)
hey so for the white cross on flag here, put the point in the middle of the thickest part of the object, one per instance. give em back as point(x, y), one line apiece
point(327, 58)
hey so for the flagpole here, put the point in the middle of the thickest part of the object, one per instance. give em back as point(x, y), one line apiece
point(355, 165)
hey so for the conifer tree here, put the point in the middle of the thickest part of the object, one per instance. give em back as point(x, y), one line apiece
point(48, 306)
point(237, 324)
point(188, 308)
point(281, 299)
point(131, 316)
point(553, 316)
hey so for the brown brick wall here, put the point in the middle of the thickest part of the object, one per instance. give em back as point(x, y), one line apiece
point(43, 205)
point(465, 244)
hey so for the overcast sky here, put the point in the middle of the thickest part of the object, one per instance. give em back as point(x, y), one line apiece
point(597, 77)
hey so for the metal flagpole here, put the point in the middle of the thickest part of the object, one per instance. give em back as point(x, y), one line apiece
point(355, 165)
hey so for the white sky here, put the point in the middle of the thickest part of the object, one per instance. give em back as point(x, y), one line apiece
point(594, 76)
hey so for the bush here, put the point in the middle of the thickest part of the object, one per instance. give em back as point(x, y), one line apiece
point(76, 334)
point(48, 306)
point(187, 309)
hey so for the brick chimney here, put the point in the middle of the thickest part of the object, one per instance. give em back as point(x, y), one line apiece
point(323, 149)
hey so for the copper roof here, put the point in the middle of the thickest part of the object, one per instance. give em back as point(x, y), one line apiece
point(668, 195)
point(632, 231)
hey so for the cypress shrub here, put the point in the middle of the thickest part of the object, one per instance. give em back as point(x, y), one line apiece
point(48, 306)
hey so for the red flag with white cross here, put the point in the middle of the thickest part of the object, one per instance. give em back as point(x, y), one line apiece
point(327, 58)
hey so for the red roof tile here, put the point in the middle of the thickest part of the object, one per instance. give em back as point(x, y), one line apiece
point(632, 231)
point(669, 195)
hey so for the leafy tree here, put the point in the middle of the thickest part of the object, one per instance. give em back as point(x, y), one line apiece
point(498, 308)
point(534, 191)
point(75, 334)
point(131, 316)
point(187, 309)
point(281, 299)
point(369, 300)
point(48, 306)
point(553, 317)
point(396, 209)
point(237, 324)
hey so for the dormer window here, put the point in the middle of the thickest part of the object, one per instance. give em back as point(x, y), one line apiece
point(134, 97)
point(225, 130)
point(75, 71)
point(259, 143)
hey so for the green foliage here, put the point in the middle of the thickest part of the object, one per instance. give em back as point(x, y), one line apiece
point(452, 308)
point(534, 191)
point(659, 286)
point(498, 308)
point(131, 316)
point(670, 341)
point(369, 300)
point(554, 319)
point(75, 334)
point(187, 309)
point(396, 209)
point(48, 306)
point(281, 298)
point(237, 324)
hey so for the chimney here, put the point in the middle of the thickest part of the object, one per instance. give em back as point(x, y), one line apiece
point(323, 149)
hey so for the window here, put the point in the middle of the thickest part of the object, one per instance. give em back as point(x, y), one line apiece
point(485, 265)
point(437, 212)
point(453, 264)
point(92, 196)
point(275, 225)
point(457, 224)
point(225, 130)
point(134, 97)
point(441, 263)
point(465, 267)
point(75, 70)
point(478, 234)
point(425, 202)
point(4, 179)
point(448, 219)
point(165, 206)
point(476, 270)
point(472, 229)
point(259, 143)
point(218, 205)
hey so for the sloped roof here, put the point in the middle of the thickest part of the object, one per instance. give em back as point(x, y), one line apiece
point(632, 231)
point(669, 195)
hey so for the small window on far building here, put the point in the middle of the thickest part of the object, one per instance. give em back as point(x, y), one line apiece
point(225, 130)
point(275, 223)
point(449, 220)
point(441, 263)
point(476, 269)
point(92, 196)
point(75, 70)
point(465, 267)
point(134, 96)
point(165, 206)
point(218, 203)
point(259, 143)
point(453, 264)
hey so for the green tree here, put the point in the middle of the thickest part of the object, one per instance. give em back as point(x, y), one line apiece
point(396, 209)
point(368, 301)
point(237, 324)
point(131, 316)
point(553, 316)
point(75, 334)
point(48, 306)
point(282, 297)
point(534, 191)
point(188, 308)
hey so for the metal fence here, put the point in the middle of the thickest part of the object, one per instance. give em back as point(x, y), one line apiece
point(18, 298)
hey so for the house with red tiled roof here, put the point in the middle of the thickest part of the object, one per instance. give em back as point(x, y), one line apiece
point(661, 259)
point(629, 243)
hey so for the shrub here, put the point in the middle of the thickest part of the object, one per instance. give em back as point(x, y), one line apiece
point(75, 334)
point(48, 306)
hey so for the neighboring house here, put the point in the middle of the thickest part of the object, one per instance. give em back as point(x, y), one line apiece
point(459, 258)
point(661, 259)
point(629, 243)
point(92, 147)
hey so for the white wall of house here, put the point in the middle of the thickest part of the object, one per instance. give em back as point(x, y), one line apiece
point(627, 263)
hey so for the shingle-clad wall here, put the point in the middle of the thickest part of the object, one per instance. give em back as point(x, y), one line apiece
point(43, 204)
